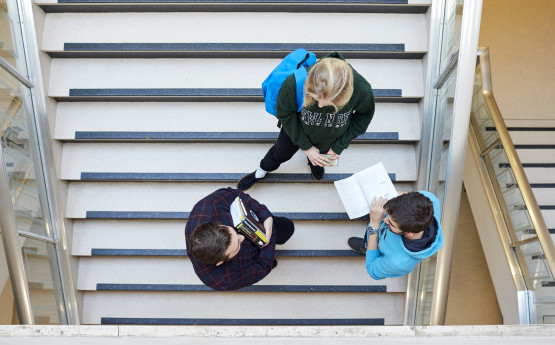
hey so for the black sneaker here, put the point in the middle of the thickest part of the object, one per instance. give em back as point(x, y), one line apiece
point(247, 181)
point(316, 172)
point(275, 264)
point(357, 244)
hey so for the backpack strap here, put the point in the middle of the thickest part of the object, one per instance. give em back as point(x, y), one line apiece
point(300, 77)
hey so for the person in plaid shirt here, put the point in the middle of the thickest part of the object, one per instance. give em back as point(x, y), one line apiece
point(220, 256)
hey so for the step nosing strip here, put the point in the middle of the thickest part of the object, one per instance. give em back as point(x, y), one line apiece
point(194, 92)
point(185, 215)
point(534, 146)
point(183, 252)
point(277, 177)
point(524, 129)
point(242, 322)
point(223, 47)
point(530, 165)
point(252, 288)
point(210, 135)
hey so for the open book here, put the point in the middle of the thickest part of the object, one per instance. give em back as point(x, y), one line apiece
point(357, 191)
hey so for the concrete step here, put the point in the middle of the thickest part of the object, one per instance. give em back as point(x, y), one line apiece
point(333, 6)
point(175, 77)
point(180, 198)
point(234, 27)
point(169, 235)
point(75, 117)
point(177, 158)
point(208, 305)
point(301, 271)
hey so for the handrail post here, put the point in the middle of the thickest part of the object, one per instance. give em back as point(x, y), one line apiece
point(461, 117)
point(10, 239)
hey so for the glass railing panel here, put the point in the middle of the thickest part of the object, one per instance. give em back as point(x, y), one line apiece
point(18, 156)
point(42, 276)
point(10, 35)
point(451, 30)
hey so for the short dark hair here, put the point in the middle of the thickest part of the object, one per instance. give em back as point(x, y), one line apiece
point(209, 242)
point(413, 212)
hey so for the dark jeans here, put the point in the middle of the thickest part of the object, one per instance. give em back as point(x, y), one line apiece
point(281, 152)
point(284, 229)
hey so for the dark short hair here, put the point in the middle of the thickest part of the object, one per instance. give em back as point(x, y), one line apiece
point(413, 212)
point(209, 242)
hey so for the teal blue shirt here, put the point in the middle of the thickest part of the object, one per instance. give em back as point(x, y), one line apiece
point(392, 259)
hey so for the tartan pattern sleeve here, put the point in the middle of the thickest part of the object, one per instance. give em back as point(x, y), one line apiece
point(251, 264)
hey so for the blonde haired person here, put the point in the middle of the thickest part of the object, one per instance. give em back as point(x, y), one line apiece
point(338, 106)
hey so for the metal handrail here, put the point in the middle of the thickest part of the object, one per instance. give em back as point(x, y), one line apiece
point(536, 217)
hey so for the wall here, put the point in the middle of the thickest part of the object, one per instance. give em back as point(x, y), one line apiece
point(521, 38)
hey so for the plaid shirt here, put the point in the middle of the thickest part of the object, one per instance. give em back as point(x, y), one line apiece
point(251, 264)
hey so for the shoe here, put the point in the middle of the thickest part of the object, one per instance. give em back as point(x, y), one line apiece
point(275, 264)
point(316, 172)
point(357, 244)
point(247, 181)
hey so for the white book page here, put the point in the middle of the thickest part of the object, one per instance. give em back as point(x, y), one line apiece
point(352, 197)
point(375, 183)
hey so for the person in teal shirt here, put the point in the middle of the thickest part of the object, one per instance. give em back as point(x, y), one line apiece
point(401, 232)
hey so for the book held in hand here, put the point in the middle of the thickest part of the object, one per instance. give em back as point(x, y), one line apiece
point(247, 223)
point(358, 191)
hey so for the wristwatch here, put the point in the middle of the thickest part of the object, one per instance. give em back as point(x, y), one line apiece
point(370, 230)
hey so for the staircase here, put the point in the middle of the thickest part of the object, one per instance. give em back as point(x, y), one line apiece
point(158, 104)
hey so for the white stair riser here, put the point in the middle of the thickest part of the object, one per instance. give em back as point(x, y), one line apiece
point(290, 271)
point(532, 138)
point(549, 217)
point(209, 73)
point(240, 305)
point(168, 234)
point(164, 197)
point(536, 155)
point(544, 196)
point(233, 27)
point(207, 117)
point(222, 158)
point(540, 175)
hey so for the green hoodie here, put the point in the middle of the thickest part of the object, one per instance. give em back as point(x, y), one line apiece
point(321, 127)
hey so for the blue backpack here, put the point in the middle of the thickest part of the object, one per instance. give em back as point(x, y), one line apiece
point(295, 62)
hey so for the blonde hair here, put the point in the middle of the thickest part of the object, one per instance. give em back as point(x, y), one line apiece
point(329, 79)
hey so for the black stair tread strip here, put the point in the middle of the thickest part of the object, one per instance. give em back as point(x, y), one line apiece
point(248, 47)
point(530, 165)
point(147, 54)
point(548, 284)
point(253, 288)
point(534, 146)
point(183, 252)
point(547, 207)
point(241, 322)
point(138, 135)
point(185, 215)
point(199, 92)
point(524, 129)
point(274, 177)
point(533, 185)
point(203, 99)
